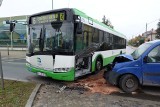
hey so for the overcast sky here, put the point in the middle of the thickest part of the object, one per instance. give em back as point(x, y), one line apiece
point(127, 16)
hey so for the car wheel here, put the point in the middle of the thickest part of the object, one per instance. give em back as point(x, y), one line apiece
point(128, 83)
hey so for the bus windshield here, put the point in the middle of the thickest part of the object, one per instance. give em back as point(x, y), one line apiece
point(35, 35)
point(55, 37)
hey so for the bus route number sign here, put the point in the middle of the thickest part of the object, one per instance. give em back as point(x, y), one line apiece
point(54, 17)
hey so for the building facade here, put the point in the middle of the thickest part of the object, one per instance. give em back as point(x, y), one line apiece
point(18, 37)
point(150, 35)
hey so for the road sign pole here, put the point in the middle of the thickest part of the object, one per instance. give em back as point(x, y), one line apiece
point(12, 40)
point(1, 72)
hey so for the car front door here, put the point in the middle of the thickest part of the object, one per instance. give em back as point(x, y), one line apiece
point(151, 67)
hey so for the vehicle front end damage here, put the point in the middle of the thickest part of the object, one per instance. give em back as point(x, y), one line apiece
point(111, 70)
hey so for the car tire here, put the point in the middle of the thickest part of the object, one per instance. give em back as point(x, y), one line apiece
point(128, 83)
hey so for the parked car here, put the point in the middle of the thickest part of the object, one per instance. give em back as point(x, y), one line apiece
point(142, 67)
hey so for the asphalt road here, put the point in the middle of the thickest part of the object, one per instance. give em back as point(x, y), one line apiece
point(14, 69)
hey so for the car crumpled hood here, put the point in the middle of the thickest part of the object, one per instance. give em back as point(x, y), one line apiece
point(127, 56)
point(121, 61)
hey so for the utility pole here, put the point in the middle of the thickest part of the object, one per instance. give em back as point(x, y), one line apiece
point(1, 72)
point(146, 27)
point(1, 2)
point(52, 4)
point(68, 3)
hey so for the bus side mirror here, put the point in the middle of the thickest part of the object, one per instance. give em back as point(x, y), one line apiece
point(79, 28)
point(77, 18)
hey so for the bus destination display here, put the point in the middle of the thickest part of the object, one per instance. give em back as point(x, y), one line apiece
point(54, 17)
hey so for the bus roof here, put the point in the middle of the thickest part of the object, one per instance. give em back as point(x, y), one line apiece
point(82, 14)
point(96, 23)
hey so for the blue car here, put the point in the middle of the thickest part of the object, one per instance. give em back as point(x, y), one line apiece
point(142, 67)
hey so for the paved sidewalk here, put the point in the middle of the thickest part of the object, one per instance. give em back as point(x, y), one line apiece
point(13, 54)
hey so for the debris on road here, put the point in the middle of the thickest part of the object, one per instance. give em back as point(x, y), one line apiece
point(61, 89)
point(96, 83)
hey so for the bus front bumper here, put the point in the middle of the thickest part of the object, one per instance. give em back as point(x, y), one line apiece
point(66, 76)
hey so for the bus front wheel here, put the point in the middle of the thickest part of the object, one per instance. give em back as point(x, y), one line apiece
point(99, 65)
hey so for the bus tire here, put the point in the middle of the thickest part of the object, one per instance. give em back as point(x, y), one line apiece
point(128, 83)
point(98, 65)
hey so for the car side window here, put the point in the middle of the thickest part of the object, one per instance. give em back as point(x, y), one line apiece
point(154, 55)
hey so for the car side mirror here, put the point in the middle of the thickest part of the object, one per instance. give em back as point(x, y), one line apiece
point(145, 59)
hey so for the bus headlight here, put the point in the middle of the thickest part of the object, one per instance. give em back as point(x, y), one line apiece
point(61, 69)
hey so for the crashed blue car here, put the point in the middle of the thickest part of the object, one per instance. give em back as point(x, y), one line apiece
point(142, 67)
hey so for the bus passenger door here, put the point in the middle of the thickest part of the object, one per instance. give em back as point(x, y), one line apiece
point(83, 59)
point(83, 65)
point(83, 54)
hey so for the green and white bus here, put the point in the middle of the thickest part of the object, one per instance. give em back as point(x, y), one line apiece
point(65, 44)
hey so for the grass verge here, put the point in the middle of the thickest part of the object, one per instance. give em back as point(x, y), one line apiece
point(16, 93)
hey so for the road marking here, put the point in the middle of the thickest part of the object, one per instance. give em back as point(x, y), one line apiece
point(12, 58)
point(14, 62)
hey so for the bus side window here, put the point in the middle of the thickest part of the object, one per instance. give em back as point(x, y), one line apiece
point(90, 35)
point(85, 39)
point(111, 44)
point(106, 45)
point(95, 36)
point(100, 36)
point(85, 36)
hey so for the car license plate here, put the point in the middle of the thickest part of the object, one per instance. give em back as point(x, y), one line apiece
point(41, 74)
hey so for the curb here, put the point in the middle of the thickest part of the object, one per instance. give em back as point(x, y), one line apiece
point(32, 96)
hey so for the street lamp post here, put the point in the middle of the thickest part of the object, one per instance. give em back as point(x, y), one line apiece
point(146, 27)
point(52, 4)
point(1, 2)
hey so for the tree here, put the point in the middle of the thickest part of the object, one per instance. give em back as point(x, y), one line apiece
point(138, 40)
point(107, 22)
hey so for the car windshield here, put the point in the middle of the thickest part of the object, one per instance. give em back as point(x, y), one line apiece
point(140, 50)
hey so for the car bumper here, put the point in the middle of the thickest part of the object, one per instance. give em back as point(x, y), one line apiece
point(111, 77)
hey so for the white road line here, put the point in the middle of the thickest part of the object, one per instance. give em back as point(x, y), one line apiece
point(3, 58)
point(14, 62)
